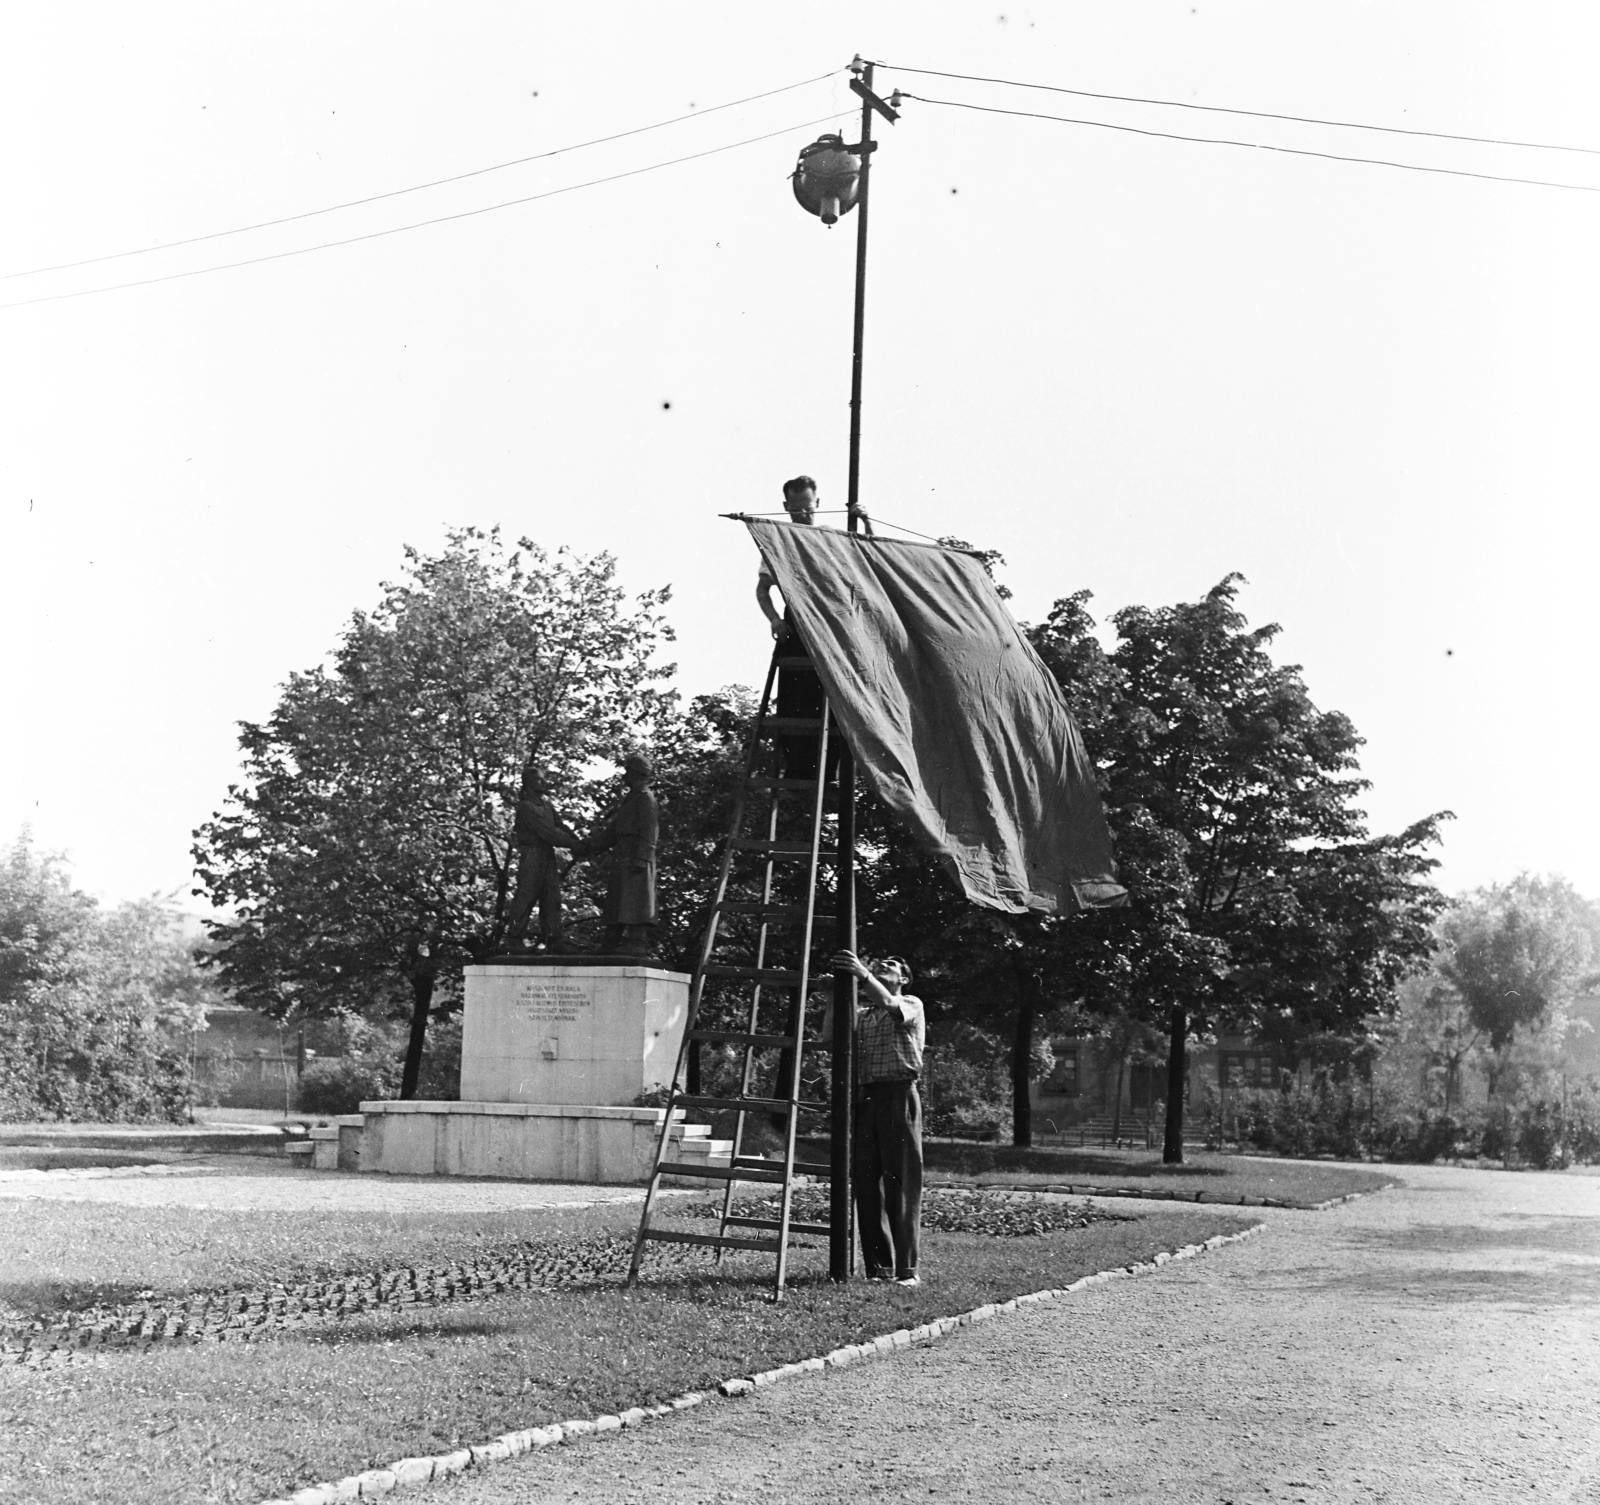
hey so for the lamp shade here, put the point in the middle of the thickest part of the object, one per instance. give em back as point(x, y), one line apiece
point(827, 179)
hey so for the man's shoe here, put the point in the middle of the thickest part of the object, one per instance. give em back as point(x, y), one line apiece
point(907, 1280)
point(879, 1275)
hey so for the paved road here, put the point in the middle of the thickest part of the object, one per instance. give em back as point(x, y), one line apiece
point(1438, 1342)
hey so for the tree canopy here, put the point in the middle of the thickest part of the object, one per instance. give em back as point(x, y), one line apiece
point(96, 1006)
point(1258, 900)
point(368, 853)
point(1515, 953)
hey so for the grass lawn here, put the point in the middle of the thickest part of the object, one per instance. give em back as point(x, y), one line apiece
point(242, 1422)
point(1218, 1177)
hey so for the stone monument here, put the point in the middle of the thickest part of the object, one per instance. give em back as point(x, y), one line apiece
point(558, 1047)
point(538, 831)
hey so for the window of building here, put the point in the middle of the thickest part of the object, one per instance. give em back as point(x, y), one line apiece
point(1063, 1078)
point(1248, 1069)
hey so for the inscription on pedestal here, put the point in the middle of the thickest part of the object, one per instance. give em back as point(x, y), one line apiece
point(551, 1002)
point(589, 1035)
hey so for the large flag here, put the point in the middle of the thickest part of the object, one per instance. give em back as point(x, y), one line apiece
point(955, 722)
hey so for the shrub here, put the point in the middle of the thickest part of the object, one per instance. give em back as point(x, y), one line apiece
point(341, 1085)
point(1541, 1136)
point(966, 1083)
point(95, 1006)
point(440, 1076)
point(1583, 1124)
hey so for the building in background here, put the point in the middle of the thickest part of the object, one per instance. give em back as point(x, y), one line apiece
point(243, 1059)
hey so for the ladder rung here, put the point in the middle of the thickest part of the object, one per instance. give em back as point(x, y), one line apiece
point(779, 848)
point(794, 661)
point(741, 1037)
point(823, 1228)
point(757, 1162)
point(747, 1104)
point(769, 912)
point(790, 724)
point(777, 977)
point(714, 1240)
point(720, 1172)
point(761, 781)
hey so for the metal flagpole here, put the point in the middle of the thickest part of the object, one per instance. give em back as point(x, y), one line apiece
point(829, 180)
point(841, 1247)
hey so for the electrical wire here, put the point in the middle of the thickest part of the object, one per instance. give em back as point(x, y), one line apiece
point(1260, 146)
point(1184, 104)
point(441, 219)
point(393, 193)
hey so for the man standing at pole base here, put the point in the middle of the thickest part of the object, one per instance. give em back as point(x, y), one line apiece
point(891, 1032)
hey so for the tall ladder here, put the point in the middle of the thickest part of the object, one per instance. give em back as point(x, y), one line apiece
point(783, 919)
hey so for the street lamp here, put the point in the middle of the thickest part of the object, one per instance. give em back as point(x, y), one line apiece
point(829, 180)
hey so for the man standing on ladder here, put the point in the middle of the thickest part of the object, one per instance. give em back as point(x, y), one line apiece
point(799, 690)
point(800, 502)
point(891, 1033)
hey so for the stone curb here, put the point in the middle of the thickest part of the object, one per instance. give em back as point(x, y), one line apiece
point(1139, 1193)
point(408, 1471)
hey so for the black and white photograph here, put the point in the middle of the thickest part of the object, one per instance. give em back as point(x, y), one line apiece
point(800, 753)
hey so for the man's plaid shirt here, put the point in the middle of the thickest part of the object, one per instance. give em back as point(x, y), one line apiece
point(888, 1050)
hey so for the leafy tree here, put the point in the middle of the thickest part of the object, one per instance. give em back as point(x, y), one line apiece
point(95, 1007)
point(699, 759)
point(1515, 954)
point(1258, 899)
point(368, 854)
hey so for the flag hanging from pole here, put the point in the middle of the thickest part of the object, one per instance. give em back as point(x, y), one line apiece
point(955, 722)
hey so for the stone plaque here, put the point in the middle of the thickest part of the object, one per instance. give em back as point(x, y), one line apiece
point(552, 1002)
point(596, 1035)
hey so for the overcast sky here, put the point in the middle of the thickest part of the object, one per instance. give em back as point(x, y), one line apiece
point(1129, 363)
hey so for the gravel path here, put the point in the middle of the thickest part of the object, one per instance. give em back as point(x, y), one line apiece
point(1437, 1342)
point(271, 1188)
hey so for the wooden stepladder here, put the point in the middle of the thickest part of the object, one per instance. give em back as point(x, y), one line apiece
point(761, 932)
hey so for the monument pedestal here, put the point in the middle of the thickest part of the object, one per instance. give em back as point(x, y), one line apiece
point(557, 1031)
point(554, 1053)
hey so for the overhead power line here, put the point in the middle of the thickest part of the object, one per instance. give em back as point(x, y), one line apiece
point(394, 193)
point(1259, 146)
point(440, 219)
point(1185, 104)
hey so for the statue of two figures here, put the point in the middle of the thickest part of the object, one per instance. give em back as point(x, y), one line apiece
point(629, 833)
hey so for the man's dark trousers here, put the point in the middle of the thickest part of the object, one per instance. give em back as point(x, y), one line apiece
point(887, 1172)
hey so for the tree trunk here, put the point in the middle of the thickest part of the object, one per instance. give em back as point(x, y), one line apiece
point(1172, 1143)
point(1116, 1101)
point(1022, 1060)
point(421, 999)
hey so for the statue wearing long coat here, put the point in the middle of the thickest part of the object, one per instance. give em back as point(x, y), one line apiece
point(630, 833)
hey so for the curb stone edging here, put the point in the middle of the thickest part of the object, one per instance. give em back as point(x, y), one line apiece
point(407, 1471)
point(1141, 1194)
